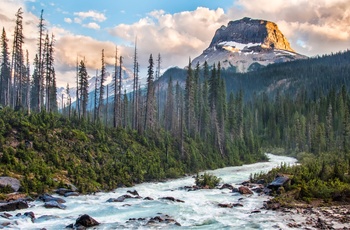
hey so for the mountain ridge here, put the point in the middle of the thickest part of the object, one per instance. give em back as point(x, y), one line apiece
point(246, 44)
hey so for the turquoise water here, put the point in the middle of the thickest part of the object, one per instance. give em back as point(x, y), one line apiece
point(199, 211)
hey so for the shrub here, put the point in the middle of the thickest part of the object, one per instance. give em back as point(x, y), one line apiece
point(207, 180)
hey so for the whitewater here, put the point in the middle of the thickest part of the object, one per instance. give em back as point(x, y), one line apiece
point(199, 210)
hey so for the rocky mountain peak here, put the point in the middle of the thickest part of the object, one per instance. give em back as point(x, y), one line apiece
point(254, 31)
point(248, 44)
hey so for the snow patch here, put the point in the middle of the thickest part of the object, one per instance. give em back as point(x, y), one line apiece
point(236, 46)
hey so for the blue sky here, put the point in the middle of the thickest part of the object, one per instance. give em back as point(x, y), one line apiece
point(176, 29)
point(59, 13)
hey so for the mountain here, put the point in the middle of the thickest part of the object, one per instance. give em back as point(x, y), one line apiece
point(321, 74)
point(247, 44)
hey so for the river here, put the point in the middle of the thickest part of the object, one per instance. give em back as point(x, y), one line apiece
point(200, 209)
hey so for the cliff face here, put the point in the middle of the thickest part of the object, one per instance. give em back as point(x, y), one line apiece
point(245, 42)
point(254, 31)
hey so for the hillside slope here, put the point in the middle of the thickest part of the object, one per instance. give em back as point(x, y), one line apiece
point(45, 151)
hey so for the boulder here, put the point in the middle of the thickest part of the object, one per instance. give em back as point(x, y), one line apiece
point(31, 215)
point(278, 182)
point(244, 190)
point(86, 221)
point(119, 199)
point(148, 198)
point(227, 186)
point(6, 215)
point(63, 191)
point(225, 205)
point(47, 198)
point(230, 205)
point(54, 204)
point(255, 211)
point(67, 194)
point(10, 182)
point(270, 205)
point(135, 193)
point(258, 189)
point(13, 205)
point(172, 199)
point(17, 196)
point(261, 181)
point(267, 191)
point(165, 219)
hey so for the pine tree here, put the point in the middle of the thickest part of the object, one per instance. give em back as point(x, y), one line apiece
point(95, 97)
point(68, 103)
point(27, 83)
point(49, 74)
point(39, 65)
point(5, 72)
point(159, 60)
point(35, 83)
point(115, 85)
point(150, 97)
point(169, 107)
point(189, 100)
point(77, 101)
point(126, 117)
point(102, 81)
point(135, 90)
point(197, 98)
point(17, 59)
point(119, 99)
point(205, 106)
point(53, 93)
point(83, 88)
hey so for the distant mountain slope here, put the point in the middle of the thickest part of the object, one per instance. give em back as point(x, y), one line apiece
point(246, 44)
point(313, 74)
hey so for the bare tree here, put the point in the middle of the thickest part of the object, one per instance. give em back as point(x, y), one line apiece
point(115, 78)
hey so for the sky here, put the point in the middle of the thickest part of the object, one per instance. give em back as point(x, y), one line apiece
point(176, 30)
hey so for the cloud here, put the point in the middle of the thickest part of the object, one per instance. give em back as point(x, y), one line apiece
point(78, 20)
point(68, 20)
point(92, 25)
point(175, 36)
point(94, 15)
point(312, 26)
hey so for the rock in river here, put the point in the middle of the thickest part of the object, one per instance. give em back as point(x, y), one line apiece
point(86, 221)
point(244, 190)
point(54, 204)
point(13, 205)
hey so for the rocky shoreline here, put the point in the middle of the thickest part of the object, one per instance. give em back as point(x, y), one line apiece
point(333, 217)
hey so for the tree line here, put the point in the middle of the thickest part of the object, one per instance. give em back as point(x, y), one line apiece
point(19, 88)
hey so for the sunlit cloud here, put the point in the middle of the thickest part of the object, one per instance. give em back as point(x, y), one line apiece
point(92, 25)
point(175, 36)
point(68, 20)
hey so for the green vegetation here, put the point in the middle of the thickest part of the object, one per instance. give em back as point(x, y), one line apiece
point(325, 177)
point(47, 150)
point(207, 180)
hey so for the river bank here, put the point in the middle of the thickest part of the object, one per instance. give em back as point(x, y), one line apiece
point(199, 210)
point(333, 217)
